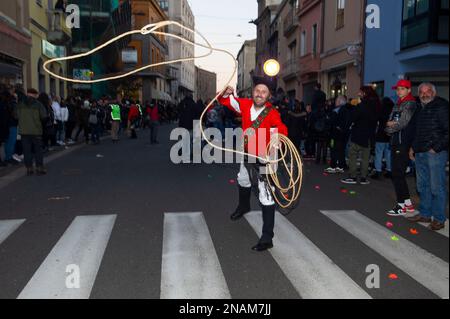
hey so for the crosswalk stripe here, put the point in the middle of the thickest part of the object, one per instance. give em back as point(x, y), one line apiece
point(190, 266)
point(7, 227)
point(312, 273)
point(426, 268)
point(80, 248)
point(443, 231)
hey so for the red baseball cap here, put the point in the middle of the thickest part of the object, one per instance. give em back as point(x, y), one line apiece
point(403, 84)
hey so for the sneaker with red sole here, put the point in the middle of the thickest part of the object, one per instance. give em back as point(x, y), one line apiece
point(409, 209)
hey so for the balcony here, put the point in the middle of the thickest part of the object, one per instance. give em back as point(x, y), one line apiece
point(290, 69)
point(58, 32)
point(290, 23)
point(309, 66)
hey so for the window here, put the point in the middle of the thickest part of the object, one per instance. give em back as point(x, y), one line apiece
point(292, 51)
point(303, 44)
point(424, 21)
point(314, 40)
point(340, 14)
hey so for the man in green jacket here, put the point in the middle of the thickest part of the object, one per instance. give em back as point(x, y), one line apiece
point(31, 113)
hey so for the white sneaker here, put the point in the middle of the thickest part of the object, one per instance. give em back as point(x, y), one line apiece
point(18, 158)
point(330, 170)
point(339, 170)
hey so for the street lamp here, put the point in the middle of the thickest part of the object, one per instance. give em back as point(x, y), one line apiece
point(271, 67)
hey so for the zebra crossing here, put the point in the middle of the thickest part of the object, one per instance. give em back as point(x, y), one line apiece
point(191, 267)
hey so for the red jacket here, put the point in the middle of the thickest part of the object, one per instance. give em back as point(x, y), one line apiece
point(133, 113)
point(153, 113)
point(243, 108)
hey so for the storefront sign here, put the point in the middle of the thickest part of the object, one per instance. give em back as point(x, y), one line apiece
point(53, 51)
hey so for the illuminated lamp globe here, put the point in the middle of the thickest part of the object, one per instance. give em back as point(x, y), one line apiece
point(271, 67)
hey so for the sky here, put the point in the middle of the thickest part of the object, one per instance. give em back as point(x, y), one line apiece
point(221, 21)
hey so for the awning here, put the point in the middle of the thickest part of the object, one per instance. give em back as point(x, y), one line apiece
point(163, 96)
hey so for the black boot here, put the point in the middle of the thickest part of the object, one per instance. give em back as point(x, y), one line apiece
point(244, 203)
point(268, 215)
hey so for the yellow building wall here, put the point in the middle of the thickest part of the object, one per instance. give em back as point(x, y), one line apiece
point(39, 15)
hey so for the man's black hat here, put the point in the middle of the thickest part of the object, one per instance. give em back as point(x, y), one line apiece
point(257, 80)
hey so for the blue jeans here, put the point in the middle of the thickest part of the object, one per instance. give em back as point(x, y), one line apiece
point(10, 144)
point(382, 150)
point(432, 185)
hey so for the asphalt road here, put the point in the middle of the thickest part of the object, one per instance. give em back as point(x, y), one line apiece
point(139, 226)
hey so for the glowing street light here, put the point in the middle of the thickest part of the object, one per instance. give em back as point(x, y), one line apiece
point(271, 67)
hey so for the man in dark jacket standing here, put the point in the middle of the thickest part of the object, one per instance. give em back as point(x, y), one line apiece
point(382, 145)
point(31, 113)
point(430, 146)
point(340, 125)
point(364, 123)
point(401, 129)
point(319, 98)
point(4, 120)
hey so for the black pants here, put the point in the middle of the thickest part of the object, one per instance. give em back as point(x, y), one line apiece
point(85, 128)
point(310, 146)
point(400, 160)
point(70, 126)
point(338, 154)
point(32, 148)
point(154, 131)
point(322, 149)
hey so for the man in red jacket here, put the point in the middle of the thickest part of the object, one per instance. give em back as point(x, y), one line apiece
point(133, 117)
point(258, 116)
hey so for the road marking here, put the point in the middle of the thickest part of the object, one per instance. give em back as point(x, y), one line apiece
point(313, 274)
point(7, 227)
point(83, 244)
point(424, 267)
point(190, 266)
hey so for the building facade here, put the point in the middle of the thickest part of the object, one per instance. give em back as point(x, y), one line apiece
point(411, 43)
point(51, 38)
point(15, 43)
point(288, 44)
point(100, 22)
point(341, 57)
point(183, 72)
point(246, 60)
point(267, 34)
point(310, 47)
point(206, 85)
point(150, 84)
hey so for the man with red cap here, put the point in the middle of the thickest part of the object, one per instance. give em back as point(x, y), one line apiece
point(260, 119)
point(401, 129)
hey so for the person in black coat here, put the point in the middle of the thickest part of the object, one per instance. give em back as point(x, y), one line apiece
point(296, 123)
point(340, 125)
point(430, 151)
point(321, 128)
point(382, 145)
point(364, 121)
point(4, 120)
point(319, 98)
point(188, 113)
